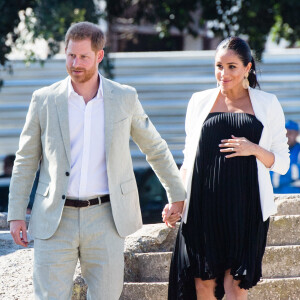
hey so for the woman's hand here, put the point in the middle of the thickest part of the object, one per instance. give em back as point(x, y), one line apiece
point(172, 213)
point(238, 146)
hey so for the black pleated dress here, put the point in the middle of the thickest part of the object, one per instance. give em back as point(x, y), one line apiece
point(224, 228)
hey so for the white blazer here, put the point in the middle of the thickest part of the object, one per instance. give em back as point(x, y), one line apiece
point(268, 111)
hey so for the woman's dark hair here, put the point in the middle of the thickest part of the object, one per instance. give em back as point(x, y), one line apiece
point(243, 51)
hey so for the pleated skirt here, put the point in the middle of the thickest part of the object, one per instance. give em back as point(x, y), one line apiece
point(224, 228)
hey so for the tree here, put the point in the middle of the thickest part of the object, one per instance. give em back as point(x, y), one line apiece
point(48, 20)
point(253, 18)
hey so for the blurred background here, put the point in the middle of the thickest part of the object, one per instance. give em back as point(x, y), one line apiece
point(165, 49)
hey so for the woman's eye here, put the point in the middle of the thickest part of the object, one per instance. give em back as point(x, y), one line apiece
point(231, 67)
point(219, 66)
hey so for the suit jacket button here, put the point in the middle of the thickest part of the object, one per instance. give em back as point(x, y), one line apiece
point(67, 173)
point(63, 197)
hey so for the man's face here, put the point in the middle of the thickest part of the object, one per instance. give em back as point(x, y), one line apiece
point(82, 61)
point(292, 137)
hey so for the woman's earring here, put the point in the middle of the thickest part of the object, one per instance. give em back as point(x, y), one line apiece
point(245, 83)
point(218, 84)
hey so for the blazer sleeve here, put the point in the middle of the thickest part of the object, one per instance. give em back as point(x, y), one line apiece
point(188, 132)
point(279, 145)
point(25, 165)
point(157, 153)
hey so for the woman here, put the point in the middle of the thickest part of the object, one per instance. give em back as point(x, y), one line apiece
point(235, 135)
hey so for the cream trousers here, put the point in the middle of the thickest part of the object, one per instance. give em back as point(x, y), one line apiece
point(87, 234)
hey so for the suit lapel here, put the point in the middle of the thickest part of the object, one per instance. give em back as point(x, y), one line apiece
point(61, 101)
point(108, 114)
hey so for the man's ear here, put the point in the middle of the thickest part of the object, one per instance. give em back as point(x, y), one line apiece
point(100, 56)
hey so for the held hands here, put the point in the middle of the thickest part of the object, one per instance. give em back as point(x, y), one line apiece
point(172, 213)
point(16, 228)
point(240, 146)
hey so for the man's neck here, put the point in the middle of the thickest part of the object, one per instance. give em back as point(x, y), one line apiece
point(88, 90)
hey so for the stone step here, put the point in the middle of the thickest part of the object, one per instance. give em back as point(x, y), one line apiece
point(145, 291)
point(287, 204)
point(284, 230)
point(267, 289)
point(278, 262)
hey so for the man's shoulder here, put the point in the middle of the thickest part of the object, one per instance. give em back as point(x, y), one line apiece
point(118, 87)
point(50, 89)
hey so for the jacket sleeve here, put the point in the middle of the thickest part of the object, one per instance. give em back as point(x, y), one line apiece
point(25, 165)
point(157, 153)
point(279, 146)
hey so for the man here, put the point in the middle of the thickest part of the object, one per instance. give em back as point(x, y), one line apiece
point(86, 201)
point(289, 183)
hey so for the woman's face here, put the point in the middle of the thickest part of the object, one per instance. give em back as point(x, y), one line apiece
point(230, 70)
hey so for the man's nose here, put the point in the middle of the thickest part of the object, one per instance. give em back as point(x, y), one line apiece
point(75, 62)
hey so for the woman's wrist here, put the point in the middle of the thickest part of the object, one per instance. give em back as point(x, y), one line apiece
point(256, 150)
point(265, 156)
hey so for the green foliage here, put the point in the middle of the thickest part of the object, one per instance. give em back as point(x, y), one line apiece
point(47, 19)
point(51, 19)
point(252, 18)
point(287, 23)
point(8, 24)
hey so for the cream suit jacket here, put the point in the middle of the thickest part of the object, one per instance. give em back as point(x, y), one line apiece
point(268, 111)
point(45, 139)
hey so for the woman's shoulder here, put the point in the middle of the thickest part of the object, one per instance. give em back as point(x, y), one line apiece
point(265, 96)
point(203, 96)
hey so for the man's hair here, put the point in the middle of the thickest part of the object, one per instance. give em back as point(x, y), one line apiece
point(86, 30)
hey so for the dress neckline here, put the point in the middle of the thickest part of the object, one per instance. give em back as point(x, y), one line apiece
point(230, 112)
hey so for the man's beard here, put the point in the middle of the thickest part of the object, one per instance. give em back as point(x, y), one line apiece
point(85, 76)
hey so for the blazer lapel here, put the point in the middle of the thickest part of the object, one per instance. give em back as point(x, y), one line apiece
point(108, 114)
point(61, 101)
point(260, 113)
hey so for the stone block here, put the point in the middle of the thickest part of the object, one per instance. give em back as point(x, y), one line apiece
point(278, 262)
point(145, 291)
point(284, 230)
point(281, 261)
point(276, 289)
point(287, 204)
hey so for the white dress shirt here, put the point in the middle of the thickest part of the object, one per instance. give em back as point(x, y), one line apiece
point(88, 174)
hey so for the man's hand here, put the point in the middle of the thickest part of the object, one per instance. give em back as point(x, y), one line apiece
point(18, 232)
point(172, 213)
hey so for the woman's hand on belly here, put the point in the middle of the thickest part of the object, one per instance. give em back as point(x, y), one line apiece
point(240, 146)
point(237, 146)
